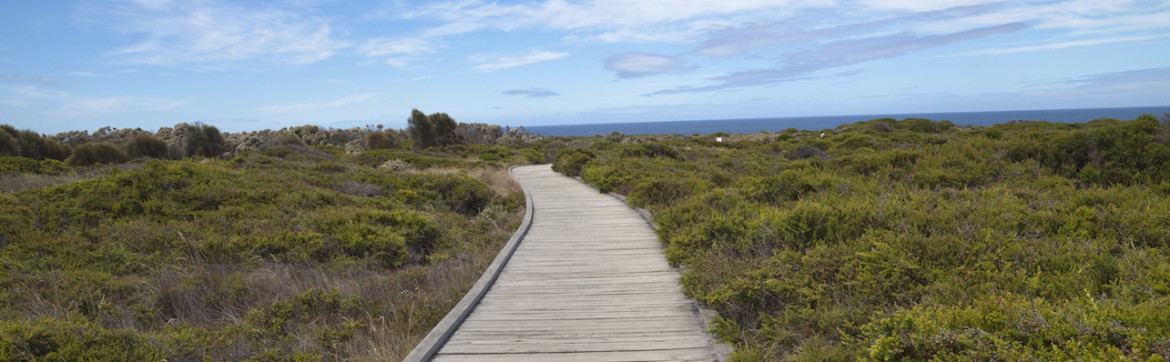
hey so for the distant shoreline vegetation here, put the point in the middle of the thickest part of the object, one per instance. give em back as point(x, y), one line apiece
point(754, 125)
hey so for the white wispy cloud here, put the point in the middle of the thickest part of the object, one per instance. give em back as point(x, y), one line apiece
point(26, 93)
point(1130, 79)
point(598, 13)
point(603, 20)
point(636, 65)
point(494, 63)
point(398, 53)
point(385, 46)
point(23, 78)
point(1060, 45)
point(531, 93)
point(85, 106)
point(201, 32)
point(61, 103)
point(312, 106)
point(803, 64)
point(797, 32)
point(917, 5)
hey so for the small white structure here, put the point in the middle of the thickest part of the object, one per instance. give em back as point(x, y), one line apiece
point(718, 139)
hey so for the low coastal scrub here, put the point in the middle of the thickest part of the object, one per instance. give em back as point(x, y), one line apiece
point(285, 252)
point(913, 239)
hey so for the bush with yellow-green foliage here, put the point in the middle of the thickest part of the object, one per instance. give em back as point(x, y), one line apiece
point(914, 239)
point(292, 252)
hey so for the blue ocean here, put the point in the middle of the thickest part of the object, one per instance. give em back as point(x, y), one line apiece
point(826, 122)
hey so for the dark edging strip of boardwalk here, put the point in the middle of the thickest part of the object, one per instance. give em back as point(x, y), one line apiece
point(442, 332)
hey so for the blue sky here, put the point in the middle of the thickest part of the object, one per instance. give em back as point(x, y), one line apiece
point(250, 65)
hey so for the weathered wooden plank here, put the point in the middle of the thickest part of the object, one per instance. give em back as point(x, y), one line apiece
point(577, 339)
point(609, 298)
point(552, 326)
point(648, 280)
point(596, 302)
point(581, 307)
point(687, 354)
point(575, 346)
point(562, 315)
point(569, 334)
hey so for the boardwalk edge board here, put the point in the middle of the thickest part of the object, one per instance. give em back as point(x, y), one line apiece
point(442, 332)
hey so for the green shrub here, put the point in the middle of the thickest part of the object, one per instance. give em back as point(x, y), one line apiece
point(924, 125)
point(146, 146)
point(203, 140)
point(650, 150)
point(73, 339)
point(807, 151)
point(376, 140)
point(653, 193)
point(569, 162)
point(96, 153)
point(458, 193)
point(18, 164)
point(882, 127)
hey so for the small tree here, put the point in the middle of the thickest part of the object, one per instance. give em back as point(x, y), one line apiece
point(204, 140)
point(26, 143)
point(444, 128)
point(437, 129)
point(420, 129)
point(9, 143)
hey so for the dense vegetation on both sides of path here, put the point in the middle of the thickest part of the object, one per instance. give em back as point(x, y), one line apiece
point(283, 252)
point(913, 239)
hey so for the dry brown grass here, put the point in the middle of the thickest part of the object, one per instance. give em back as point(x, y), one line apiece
point(16, 182)
point(497, 179)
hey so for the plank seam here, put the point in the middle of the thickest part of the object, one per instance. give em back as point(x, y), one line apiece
point(438, 336)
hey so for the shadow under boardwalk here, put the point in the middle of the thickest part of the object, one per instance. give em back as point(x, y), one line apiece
point(588, 282)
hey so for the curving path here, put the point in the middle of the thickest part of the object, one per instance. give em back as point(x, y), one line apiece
point(584, 279)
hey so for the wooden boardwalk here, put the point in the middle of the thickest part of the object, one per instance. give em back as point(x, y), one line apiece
point(587, 281)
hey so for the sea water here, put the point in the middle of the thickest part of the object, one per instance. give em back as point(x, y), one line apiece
point(829, 122)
